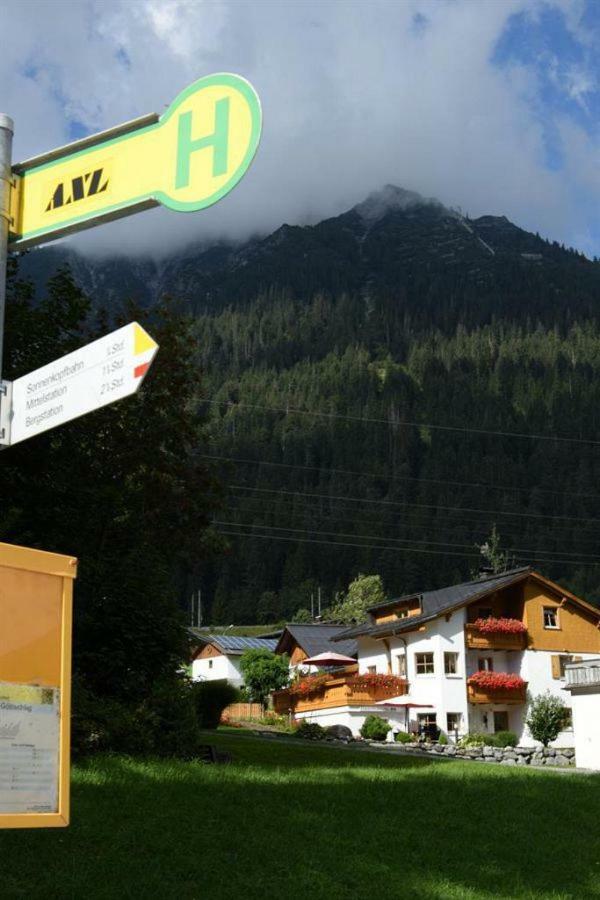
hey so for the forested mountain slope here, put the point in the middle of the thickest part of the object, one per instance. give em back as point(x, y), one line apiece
point(382, 388)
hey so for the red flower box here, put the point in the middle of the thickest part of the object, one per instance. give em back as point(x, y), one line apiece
point(373, 682)
point(500, 626)
point(497, 681)
point(308, 685)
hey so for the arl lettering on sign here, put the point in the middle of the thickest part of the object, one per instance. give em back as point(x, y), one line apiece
point(82, 186)
point(186, 159)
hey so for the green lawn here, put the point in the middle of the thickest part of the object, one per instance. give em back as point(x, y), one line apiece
point(304, 821)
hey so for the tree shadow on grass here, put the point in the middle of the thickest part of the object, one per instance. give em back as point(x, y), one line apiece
point(320, 829)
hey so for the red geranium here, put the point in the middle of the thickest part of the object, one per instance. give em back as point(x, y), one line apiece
point(305, 686)
point(374, 681)
point(497, 681)
point(500, 626)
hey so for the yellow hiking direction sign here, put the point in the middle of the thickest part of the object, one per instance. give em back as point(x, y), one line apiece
point(187, 159)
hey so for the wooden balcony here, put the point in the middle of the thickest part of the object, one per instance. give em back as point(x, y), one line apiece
point(337, 691)
point(476, 640)
point(477, 694)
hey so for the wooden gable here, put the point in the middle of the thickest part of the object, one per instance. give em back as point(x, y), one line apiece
point(577, 622)
point(400, 611)
point(207, 652)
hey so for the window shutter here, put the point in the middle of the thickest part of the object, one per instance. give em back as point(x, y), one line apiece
point(556, 666)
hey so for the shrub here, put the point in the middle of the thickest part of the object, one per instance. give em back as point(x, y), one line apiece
point(403, 737)
point(546, 717)
point(311, 730)
point(174, 718)
point(442, 738)
point(162, 724)
point(476, 739)
point(374, 728)
point(210, 699)
point(264, 672)
point(506, 739)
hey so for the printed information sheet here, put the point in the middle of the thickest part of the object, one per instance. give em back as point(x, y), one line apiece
point(29, 748)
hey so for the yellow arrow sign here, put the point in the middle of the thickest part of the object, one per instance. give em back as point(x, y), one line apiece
point(187, 160)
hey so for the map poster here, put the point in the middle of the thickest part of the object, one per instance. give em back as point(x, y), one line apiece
point(29, 748)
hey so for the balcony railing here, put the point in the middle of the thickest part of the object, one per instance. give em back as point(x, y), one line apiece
point(478, 640)
point(336, 691)
point(477, 694)
point(584, 675)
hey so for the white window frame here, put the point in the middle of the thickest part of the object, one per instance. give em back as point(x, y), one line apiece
point(554, 610)
point(432, 663)
point(456, 656)
point(458, 725)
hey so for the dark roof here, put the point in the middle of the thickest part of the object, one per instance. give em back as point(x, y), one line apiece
point(434, 603)
point(315, 639)
point(234, 645)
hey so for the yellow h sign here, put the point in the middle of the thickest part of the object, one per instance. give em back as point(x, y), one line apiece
point(187, 160)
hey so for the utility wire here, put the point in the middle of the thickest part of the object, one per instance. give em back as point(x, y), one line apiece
point(299, 540)
point(398, 422)
point(404, 504)
point(419, 480)
point(377, 537)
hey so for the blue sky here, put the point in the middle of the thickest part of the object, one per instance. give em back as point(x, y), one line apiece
point(490, 105)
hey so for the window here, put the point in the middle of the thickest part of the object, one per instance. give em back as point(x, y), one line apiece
point(485, 664)
point(427, 720)
point(550, 617)
point(559, 662)
point(453, 722)
point(210, 662)
point(402, 613)
point(567, 724)
point(401, 665)
point(451, 663)
point(484, 612)
point(500, 721)
point(424, 663)
point(372, 670)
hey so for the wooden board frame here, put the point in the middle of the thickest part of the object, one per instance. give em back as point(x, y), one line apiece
point(64, 568)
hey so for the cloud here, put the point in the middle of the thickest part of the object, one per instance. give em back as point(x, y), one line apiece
point(354, 95)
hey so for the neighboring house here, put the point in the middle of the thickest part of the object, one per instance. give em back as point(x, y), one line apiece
point(302, 642)
point(217, 656)
point(431, 642)
point(583, 682)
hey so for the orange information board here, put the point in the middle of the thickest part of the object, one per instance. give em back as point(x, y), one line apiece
point(36, 611)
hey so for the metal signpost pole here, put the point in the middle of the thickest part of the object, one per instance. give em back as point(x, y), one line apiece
point(6, 136)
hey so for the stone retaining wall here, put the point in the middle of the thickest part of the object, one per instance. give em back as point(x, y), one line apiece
point(507, 756)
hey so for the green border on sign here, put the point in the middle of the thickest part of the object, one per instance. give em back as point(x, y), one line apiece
point(223, 78)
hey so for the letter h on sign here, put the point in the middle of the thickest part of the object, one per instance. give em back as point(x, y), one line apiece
point(218, 140)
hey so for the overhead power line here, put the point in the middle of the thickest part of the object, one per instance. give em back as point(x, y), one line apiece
point(303, 540)
point(406, 422)
point(388, 478)
point(378, 537)
point(404, 504)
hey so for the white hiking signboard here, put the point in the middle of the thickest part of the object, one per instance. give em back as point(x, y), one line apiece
point(106, 370)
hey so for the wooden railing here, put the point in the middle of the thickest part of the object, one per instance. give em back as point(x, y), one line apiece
point(477, 640)
point(476, 694)
point(335, 692)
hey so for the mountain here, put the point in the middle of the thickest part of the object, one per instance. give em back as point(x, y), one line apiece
point(395, 239)
point(382, 388)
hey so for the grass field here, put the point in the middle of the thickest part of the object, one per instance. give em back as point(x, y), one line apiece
point(303, 821)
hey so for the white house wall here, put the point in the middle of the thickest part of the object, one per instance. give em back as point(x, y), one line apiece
point(444, 693)
point(227, 667)
point(586, 726)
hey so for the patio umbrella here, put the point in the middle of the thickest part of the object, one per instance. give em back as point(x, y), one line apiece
point(328, 659)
